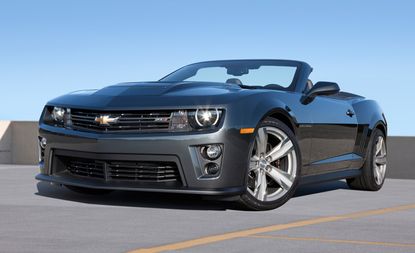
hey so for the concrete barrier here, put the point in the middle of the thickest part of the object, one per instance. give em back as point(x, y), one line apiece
point(18, 145)
point(401, 157)
point(5, 142)
point(18, 142)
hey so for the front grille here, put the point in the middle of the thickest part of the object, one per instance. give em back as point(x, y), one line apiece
point(136, 171)
point(132, 121)
point(143, 171)
point(86, 168)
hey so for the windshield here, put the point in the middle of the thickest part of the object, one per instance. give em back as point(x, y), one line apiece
point(269, 74)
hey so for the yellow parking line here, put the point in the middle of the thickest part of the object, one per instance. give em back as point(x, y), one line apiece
point(391, 244)
point(272, 228)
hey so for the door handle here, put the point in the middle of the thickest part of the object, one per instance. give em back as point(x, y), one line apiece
point(350, 113)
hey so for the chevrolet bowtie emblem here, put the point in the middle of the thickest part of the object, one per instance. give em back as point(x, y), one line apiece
point(106, 119)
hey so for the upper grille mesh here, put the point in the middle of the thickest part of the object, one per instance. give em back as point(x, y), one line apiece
point(134, 121)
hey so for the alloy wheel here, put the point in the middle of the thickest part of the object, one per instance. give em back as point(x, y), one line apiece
point(273, 165)
point(379, 160)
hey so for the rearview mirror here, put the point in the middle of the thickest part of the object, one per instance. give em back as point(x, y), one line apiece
point(321, 88)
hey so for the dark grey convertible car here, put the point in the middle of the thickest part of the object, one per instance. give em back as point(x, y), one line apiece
point(248, 130)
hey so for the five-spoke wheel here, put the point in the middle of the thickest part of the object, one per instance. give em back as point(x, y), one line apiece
point(374, 168)
point(273, 168)
point(379, 160)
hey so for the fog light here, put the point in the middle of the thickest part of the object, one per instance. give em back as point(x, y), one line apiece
point(212, 169)
point(43, 142)
point(213, 151)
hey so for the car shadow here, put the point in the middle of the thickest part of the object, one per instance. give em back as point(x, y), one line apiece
point(166, 200)
point(305, 190)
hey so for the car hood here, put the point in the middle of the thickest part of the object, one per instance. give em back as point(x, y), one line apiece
point(153, 94)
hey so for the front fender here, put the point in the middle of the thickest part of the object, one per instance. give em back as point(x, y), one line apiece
point(249, 111)
point(368, 112)
point(369, 116)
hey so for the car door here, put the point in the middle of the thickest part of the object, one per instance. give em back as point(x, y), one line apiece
point(333, 133)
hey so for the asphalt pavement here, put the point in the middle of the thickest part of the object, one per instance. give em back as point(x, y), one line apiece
point(39, 217)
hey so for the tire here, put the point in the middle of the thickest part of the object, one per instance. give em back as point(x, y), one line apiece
point(369, 180)
point(281, 174)
point(88, 191)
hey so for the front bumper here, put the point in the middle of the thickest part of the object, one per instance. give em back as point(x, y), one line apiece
point(179, 148)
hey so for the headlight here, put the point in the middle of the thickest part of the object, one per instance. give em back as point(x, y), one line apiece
point(58, 114)
point(187, 120)
point(55, 116)
point(207, 117)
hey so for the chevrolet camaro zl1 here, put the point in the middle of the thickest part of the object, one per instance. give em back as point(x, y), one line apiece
point(247, 130)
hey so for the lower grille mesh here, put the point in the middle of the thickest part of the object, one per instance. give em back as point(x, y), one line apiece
point(86, 168)
point(136, 171)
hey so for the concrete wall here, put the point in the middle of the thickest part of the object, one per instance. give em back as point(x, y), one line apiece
point(401, 157)
point(5, 142)
point(18, 142)
point(18, 145)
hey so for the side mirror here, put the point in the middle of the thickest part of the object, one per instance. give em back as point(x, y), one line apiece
point(320, 88)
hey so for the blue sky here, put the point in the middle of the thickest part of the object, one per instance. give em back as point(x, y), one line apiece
point(48, 48)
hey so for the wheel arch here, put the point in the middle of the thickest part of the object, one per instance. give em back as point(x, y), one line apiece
point(382, 127)
point(283, 116)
